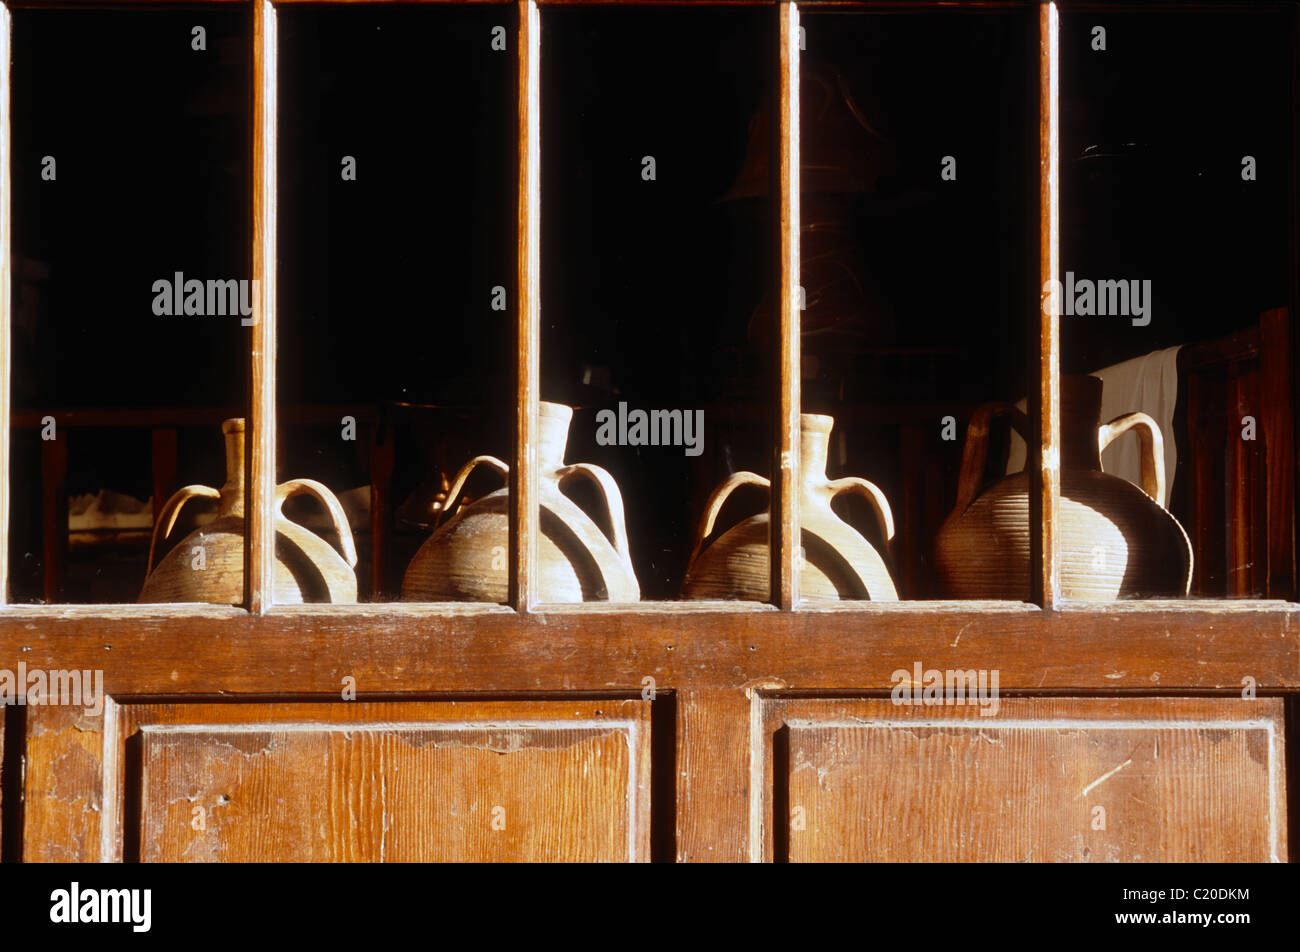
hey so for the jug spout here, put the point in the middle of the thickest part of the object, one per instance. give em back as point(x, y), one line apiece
point(232, 493)
point(553, 438)
point(1080, 418)
point(814, 445)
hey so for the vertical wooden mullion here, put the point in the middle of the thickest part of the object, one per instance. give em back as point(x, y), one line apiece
point(714, 762)
point(259, 561)
point(1045, 402)
point(524, 515)
point(6, 263)
point(784, 523)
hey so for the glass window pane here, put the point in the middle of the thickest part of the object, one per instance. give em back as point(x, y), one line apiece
point(130, 278)
point(1176, 226)
point(656, 222)
point(919, 202)
point(397, 230)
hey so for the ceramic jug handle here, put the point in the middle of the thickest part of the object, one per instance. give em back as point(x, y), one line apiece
point(1153, 449)
point(872, 494)
point(331, 504)
point(974, 455)
point(167, 517)
point(719, 496)
point(613, 502)
point(459, 483)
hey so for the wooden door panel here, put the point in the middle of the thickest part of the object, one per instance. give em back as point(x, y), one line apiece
point(354, 781)
point(63, 785)
point(1044, 780)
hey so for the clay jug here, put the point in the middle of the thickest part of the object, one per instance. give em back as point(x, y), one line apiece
point(465, 558)
point(838, 563)
point(1116, 540)
point(307, 569)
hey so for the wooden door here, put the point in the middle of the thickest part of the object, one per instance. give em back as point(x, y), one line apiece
point(342, 781)
point(1044, 780)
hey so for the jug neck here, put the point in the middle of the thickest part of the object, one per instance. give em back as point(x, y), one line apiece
point(553, 435)
point(814, 446)
point(1080, 421)
point(232, 493)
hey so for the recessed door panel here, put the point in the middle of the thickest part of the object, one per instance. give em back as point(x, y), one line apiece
point(402, 781)
point(1042, 780)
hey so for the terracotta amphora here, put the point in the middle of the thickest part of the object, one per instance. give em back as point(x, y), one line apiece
point(208, 564)
point(465, 558)
point(837, 561)
point(1116, 540)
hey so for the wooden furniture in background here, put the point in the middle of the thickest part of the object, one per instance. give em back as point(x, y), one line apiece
point(744, 702)
point(1238, 471)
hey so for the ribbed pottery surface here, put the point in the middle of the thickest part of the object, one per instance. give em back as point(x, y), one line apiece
point(736, 566)
point(307, 569)
point(465, 558)
point(1116, 542)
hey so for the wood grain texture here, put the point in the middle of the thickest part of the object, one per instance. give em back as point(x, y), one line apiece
point(1177, 647)
point(366, 782)
point(64, 788)
point(524, 512)
point(783, 527)
point(1044, 467)
point(713, 776)
point(1175, 780)
point(259, 571)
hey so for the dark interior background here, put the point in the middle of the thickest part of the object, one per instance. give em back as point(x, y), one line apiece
point(386, 282)
point(1153, 131)
point(151, 141)
point(928, 312)
point(654, 293)
point(648, 286)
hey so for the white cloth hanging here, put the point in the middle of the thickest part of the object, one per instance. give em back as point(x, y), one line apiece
point(1148, 383)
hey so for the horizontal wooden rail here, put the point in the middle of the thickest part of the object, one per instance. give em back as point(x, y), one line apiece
point(226, 652)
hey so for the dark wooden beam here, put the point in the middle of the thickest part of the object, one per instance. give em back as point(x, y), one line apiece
point(1147, 648)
